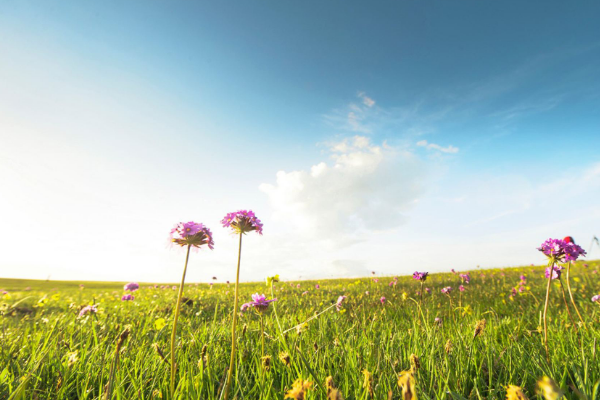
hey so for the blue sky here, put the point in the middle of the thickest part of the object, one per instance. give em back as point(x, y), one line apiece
point(390, 137)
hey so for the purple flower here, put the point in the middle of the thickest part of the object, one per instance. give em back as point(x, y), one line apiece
point(317, 286)
point(465, 277)
point(259, 302)
point(392, 283)
point(428, 290)
point(376, 280)
point(338, 303)
point(521, 289)
point(596, 298)
point(192, 234)
point(438, 321)
point(242, 221)
point(298, 286)
point(132, 286)
point(461, 288)
point(555, 273)
point(561, 250)
point(88, 309)
point(420, 276)
point(382, 300)
point(447, 290)
point(127, 297)
point(453, 271)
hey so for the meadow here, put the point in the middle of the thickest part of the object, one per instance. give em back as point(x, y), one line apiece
point(49, 349)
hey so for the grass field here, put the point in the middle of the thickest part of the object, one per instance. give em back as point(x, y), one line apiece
point(48, 352)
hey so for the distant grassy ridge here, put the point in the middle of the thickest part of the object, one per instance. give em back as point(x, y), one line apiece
point(17, 285)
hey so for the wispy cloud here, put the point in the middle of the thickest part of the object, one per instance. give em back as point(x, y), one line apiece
point(432, 146)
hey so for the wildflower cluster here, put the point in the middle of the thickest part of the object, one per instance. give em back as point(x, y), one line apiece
point(192, 234)
point(242, 221)
point(562, 250)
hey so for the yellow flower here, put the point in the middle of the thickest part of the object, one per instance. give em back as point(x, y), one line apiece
point(72, 357)
point(272, 279)
point(298, 390)
point(548, 389)
point(406, 381)
point(159, 324)
point(515, 393)
point(404, 296)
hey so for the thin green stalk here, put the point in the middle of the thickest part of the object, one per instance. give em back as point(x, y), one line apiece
point(571, 295)
point(551, 266)
point(173, 334)
point(234, 323)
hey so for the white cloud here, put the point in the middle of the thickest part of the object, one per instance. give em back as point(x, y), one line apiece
point(367, 188)
point(450, 149)
point(367, 101)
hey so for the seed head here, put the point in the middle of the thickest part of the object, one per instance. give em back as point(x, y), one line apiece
point(479, 328)
point(285, 358)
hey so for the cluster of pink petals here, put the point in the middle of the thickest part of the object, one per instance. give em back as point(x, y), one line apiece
point(382, 300)
point(192, 234)
point(461, 288)
point(596, 298)
point(562, 250)
point(87, 310)
point(243, 221)
point(338, 303)
point(447, 290)
point(259, 302)
point(465, 277)
point(420, 276)
point(556, 271)
point(127, 297)
point(132, 286)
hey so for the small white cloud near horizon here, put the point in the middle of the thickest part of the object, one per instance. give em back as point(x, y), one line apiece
point(432, 146)
point(367, 189)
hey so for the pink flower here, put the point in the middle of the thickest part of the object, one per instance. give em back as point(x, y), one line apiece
point(298, 286)
point(132, 286)
point(317, 286)
point(447, 290)
point(465, 277)
point(88, 309)
point(382, 300)
point(438, 321)
point(305, 292)
point(376, 280)
point(127, 297)
point(596, 298)
point(339, 302)
point(428, 290)
point(420, 276)
point(242, 221)
point(259, 302)
point(192, 234)
point(461, 288)
point(367, 292)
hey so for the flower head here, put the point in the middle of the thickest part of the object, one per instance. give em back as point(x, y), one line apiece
point(562, 250)
point(259, 302)
point(132, 286)
point(420, 276)
point(596, 298)
point(127, 297)
point(88, 309)
point(515, 393)
point(338, 303)
point(461, 288)
point(382, 300)
point(447, 290)
point(243, 221)
point(465, 277)
point(192, 234)
point(298, 391)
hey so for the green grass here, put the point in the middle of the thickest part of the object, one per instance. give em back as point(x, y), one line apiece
point(39, 327)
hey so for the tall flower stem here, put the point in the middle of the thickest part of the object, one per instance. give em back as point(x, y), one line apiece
point(551, 267)
point(421, 293)
point(234, 323)
point(562, 288)
point(571, 295)
point(173, 334)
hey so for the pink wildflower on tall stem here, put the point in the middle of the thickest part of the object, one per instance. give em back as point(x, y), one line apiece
point(575, 251)
point(241, 222)
point(190, 234)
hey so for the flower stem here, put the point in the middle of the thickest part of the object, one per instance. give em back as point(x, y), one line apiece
point(571, 295)
point(551, 266)
point(234, 323)
point(173, 334)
